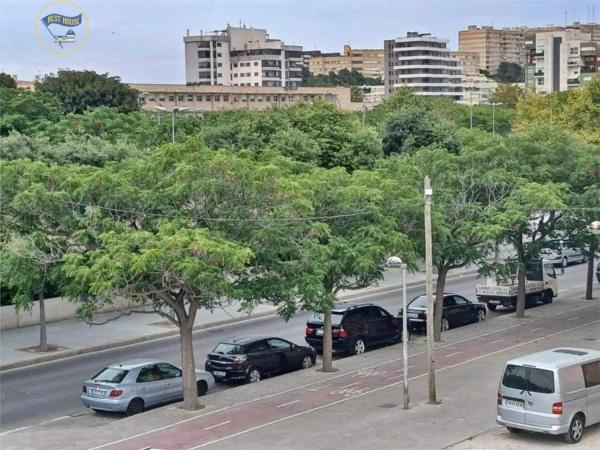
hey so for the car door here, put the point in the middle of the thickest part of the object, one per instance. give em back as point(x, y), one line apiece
point(591, 376)
point(450, 311)
point(384, 324)
point(151, 386)
point(512, 390)
point(260, 355)
point(287, 356)
point(465, 309)
point(173, 380)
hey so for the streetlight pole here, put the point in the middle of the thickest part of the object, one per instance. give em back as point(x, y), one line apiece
point(471, 108)
point(395, 261)
point(158, 109)
point(428, 192)
point(594, 229)
point(494, 104)
point(173, 112)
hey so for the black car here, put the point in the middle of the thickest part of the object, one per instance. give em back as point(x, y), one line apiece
point(249, 358)
point(355, 327)
point(457, 311)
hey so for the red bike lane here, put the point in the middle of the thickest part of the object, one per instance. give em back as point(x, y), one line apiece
point(238, 419)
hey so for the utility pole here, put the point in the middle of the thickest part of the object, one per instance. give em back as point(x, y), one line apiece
point(173, 124)
point(404, 338)
point(428, 192)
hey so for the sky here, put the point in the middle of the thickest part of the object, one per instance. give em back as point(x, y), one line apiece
point(142, 41)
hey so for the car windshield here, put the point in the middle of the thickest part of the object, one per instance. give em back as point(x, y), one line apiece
point(110, 375)
point(229, 349)
point(419, 302)
point(336, 317)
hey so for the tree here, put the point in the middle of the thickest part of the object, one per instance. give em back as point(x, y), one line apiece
point(23, 111)
point(6, 81)
point(509, 73)
point(82, 90)
point(507, 94)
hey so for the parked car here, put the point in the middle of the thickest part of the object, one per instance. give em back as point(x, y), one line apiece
point(133, 386)
point(457, 311)
point(565, 254)
point(355, 328)
point(555, 392)
point(249, 358)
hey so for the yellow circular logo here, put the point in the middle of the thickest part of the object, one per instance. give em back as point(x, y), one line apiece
point(62, 27)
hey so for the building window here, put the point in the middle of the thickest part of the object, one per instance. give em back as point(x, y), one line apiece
point(268, 98)
point(225, 98)
point(255, 84)
point(219, 75)
point(208, 98)
point(219, 64)
point(234, 64)
point(256, 63)
point(217, 98)
point(251, 99)
point(260, 99)
point(161, 99)
point(242, 74)
point(219, 55)
point(218, 44)
point(190, 98)
point(249, 74)
point(198, 98)
point(171, 98)
point(255, 74)
point(235, 75)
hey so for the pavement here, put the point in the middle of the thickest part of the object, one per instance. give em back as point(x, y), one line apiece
point(74, 337)
point(360, 405)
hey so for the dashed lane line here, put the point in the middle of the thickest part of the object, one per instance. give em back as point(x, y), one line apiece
point(217, 425)
point(288, 403)
point(452, 354)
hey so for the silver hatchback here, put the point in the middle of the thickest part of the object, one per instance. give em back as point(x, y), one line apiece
point(134, 385)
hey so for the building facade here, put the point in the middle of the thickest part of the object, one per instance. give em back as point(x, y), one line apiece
point(467, 61)
point(560, 60)
point(203, 98)
point(493, 46)
point(240, 56)
point(423, 63)
point(366, 61)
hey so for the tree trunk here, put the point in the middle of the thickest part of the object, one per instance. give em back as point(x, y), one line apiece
point(439, 303)
point(190, 390)
point(327, 342)
point(521, 290)
point(590, 269)
point(43, 336)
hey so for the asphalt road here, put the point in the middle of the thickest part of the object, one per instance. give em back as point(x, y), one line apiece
point(50, 391)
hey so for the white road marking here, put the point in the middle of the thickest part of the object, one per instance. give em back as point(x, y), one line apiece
point(400, 370)
point(537, 329)
point(15, 430)
point(274, 394)
point(351, 384)
point(496, 341)
point(452, 354)
point(578, 286)
point(395, 377)
point(318, 388)
point(572, 318)
point(288, 403)
point(379, 389)
point(218, 425)
point(46, 422)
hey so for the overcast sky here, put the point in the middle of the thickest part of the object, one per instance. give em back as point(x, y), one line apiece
point(141, 41)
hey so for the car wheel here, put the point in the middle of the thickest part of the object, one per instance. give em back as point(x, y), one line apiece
point(575, 433)
point(445, 324)
point(307, 362)
point(584, 258)
point(135, 406)
point(254, 375)
point(564, 262)
point(202, 387)
point(480, 315)
point(513, 430)
point(492, 307)
point(547, 297)
point(359, 346)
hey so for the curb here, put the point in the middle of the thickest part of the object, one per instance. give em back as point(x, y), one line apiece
point(97, 348)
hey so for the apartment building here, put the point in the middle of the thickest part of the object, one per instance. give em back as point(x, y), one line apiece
point(205, 98)
point(467, 61)
point(560, 60)
point(241, 56)
point(367, 61)
point(423, 63)
point(493, 46)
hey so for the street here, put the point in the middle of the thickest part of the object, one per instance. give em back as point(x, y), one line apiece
point(50, 391)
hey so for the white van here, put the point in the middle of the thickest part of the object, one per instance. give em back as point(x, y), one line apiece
point(555, 391)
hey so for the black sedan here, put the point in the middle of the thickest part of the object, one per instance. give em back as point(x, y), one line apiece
point(249, 358)
point(457, 311)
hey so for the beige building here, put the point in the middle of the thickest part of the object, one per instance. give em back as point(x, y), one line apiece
point(493, 46)
point(222, 98)
point(368, 62)
point(467, 61)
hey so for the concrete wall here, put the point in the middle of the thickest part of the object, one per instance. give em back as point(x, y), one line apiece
point(57, 308)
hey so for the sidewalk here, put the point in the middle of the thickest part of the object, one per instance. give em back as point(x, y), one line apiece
point(75, 337)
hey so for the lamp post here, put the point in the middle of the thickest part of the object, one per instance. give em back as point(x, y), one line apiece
point(428, 194)
point(594, 229)
point(494, 104)
point(396, 262)
point(158, 109)
point(175, 110)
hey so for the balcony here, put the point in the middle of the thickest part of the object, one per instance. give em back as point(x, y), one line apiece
point(539, 54)
point(573, 81)
point(573, 62)
point(539, 73)
point(588, 69)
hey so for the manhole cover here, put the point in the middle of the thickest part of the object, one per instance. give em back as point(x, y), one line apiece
point(388, 405)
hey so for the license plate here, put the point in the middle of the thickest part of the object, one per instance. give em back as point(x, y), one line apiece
point(319, 332)
point(494, 302)
point(412, 315)
point(97, 392)
point(218, 373)
point(513, 403)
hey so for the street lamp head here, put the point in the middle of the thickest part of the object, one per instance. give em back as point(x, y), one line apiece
point(394, 261)
point(180, 108)
point(160, 108)
point(595, 227)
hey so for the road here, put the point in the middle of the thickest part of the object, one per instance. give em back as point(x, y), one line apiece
point(51, 391)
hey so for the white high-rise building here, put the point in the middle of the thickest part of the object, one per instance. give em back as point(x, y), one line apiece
point(240, 56)
point(423, 63)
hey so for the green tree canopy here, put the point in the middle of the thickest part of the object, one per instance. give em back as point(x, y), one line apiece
point(6, 81)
